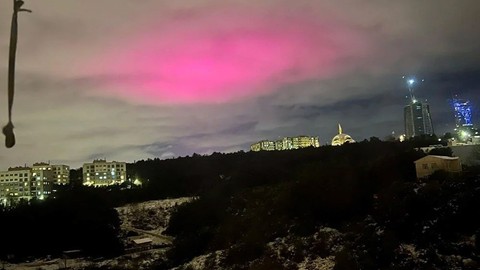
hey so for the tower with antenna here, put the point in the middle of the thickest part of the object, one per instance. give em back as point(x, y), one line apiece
point(417, 118)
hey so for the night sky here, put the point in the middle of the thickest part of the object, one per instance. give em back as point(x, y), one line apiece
point(128, 80)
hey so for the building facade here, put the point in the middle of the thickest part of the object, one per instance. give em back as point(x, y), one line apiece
point(463, 113)
point(287, 143)
point(103, 173)
point(26, 183)
point(427, 165)
point(58, 174)
point(16, 184)
point(418, 120)
point(341, 138)
point(464, 128)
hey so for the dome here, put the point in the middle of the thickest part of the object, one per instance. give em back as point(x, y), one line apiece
point(341, 138)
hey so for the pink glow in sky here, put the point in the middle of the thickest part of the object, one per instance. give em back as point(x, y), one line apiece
point(223, 56)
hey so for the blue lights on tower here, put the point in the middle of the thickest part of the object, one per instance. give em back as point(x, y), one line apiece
point(463, 112)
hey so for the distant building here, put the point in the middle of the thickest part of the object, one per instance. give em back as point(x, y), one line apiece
point(341, 138)
point(36, 182)
point(58, 174)
point(16, 184)
point(427, 165)
point(418, 120)
point(464, 129)
point(103, 173)
point(287, 143)
point(463, 112)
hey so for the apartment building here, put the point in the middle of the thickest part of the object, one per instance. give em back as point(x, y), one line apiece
point(103, 173)
point(286, 143)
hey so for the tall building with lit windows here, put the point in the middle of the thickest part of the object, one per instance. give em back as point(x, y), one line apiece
point(287, 143)
point(416, 114)
point(103, 173)
point(418, 120)
point(464, 128)
point(36, 182)
point(58, 174)
point(16, 184)
point(463, 112)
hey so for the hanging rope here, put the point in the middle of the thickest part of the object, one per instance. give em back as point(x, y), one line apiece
point(8, 129)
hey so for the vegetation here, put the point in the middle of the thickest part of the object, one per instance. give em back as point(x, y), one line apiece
point(80, 220)
point(270, 195)
point(367, 192)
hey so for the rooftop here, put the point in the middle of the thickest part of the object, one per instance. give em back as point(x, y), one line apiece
point(439, 157)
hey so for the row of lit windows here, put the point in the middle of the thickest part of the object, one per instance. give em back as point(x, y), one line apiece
point(13, 174)
point(14, 180)
point(14, 184)
point(105, 166)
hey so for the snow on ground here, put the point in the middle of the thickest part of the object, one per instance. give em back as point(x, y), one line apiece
point(318, 263)
point(145, 219)
point(149, 219)
point(202, 262)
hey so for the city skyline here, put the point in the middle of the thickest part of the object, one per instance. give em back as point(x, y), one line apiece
point(207, 77)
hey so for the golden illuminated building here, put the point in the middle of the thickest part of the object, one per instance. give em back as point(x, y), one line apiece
point(341, 138)
point(286, 143)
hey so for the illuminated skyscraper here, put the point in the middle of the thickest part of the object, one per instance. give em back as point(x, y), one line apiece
point(417, 118)
point(466, 133)
point(463, 112)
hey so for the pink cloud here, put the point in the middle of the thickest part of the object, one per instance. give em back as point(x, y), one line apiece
point(225, 56)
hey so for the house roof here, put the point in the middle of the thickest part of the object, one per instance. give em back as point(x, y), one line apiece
point(439, 157)
point(142, 241)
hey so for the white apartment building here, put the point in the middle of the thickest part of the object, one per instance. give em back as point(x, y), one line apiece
point(103, 173)
point(287, 143)
point(15, 185)
point(26, 183)
point(58, 174)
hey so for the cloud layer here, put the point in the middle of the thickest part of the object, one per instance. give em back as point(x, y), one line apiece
point(128, 80)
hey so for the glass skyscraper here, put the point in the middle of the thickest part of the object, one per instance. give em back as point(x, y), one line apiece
point(418, 120)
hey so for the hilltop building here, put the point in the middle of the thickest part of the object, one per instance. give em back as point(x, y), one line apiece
point(36, 182)
point(287, 143)
point(103, 173)
point(341, 138)
point(59, 174)
point(16, 184)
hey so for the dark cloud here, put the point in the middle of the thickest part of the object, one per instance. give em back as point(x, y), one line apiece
point(66, 114)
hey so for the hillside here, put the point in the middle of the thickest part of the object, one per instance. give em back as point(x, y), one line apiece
point(352, 207)
point(358, 206)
